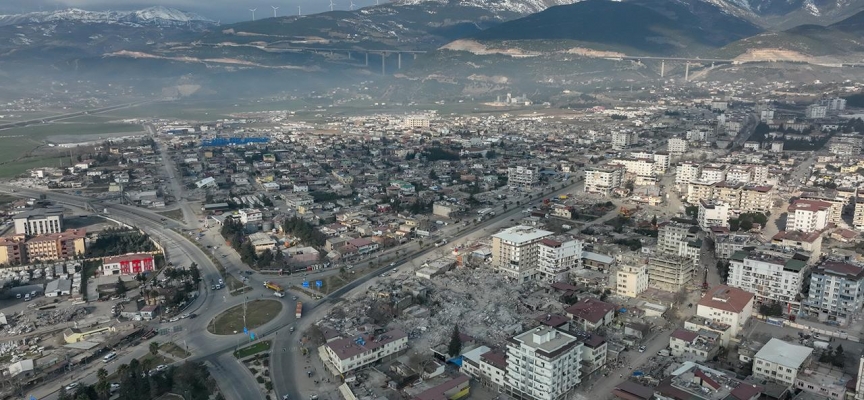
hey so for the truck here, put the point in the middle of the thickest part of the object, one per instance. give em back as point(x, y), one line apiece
point(272, 285)
point(299, 312)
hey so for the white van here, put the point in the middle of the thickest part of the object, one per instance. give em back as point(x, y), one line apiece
point(110, 357)
point(279, 294)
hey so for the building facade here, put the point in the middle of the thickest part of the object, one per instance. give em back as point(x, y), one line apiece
point(129, 264)
point(836, 291)
point(543, 364)
point(807, 215)
point(557, 256)
point(348, 354)
point(727, 305)
point(603, 180)
point(669, 272)
point(631, 280)
point(39, 221)
point(515, 251)
point(712, 214)
point(779, 361)
point(522, 176)
point(773, 276)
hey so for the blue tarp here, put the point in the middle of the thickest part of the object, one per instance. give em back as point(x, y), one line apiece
point(638, 373)
point(623, 310)
point(457, 361)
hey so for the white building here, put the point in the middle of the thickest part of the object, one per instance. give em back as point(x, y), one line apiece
point(352, 353)
point(522, 176)
point(835, 104)
point(636, 166)
point(623, 140)
point(816, 111)
point(727, 305)
point(250, 215)
point(712, 214)
point(662, 160)
point(687, 172)
point(773, 276)
point(39, 221)
point(416, 122)
point(603, 180)
point(631, 280)
point(676, 145)
point(516, 253)
point(836, 292)
point(713, 174)
point(779, 361)
point(543, 364)
point(557, 256)
point(487, 366)
point(807, 215)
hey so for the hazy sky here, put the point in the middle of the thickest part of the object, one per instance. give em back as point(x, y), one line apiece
point(225, 10)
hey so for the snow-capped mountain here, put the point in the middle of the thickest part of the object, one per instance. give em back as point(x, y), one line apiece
point(789, 13)
point(159, 16)
point(522, 7)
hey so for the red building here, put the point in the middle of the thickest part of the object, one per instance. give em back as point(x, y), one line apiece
point(129, 264)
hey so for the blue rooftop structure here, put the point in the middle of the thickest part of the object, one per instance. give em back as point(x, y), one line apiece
point(221, 141)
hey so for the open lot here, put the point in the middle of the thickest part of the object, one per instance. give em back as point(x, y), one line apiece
point(258, 312)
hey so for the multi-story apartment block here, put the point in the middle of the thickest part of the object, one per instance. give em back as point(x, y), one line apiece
point(815, 111)
point(699, 190)
point(557, 256)
point(696, 345)
point(416, 122)
point(810, 242)
point(348, 354)
point(772, 275)
point(687, 172)
point(712, 214)
point(779, 361)
point(623, 140)
point(728, 192)
point(713, 174)
point(836, 198)
point(669, 272)
point(594, 352)
point(487, 366)
point(522, 176)
point(603, 180)
point(631, 280)
point(636, 166)
point(676, 145)
point(679, 238)
point(807, 215)
point(739, 174)
point(543, 364)
point(836, 291)
point(590, 314)
point(516, 253)
point(39, 221)
point(56, 246)
point(858, 216)
point(756, 198)
point(697, 382)
point(726, 244)
point(759, 174)
point(834, 104)
point(250, 215)
point(728, 305)
point(12, 250)
point(661, 160)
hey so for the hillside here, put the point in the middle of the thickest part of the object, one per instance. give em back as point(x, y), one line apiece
point(633, 28)
point(853, 24)
point(778, 15)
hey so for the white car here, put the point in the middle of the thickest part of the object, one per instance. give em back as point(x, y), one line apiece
point(115, 387)
point(184, 316)
point(162, 367)
point(71, 386)
point(175, 319)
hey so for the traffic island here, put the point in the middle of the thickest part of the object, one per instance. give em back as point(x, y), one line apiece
point(257, 313)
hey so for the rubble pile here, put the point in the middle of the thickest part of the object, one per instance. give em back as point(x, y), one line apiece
point(29, 321)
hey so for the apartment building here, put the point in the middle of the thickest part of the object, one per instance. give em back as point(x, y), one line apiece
point(810, 242)
point(489, 367)
point(56, 246)
point(416, 122)
point(631, 280)
point(836, 291)
point(756, 198)
point(523, 176)
point(815, 111)
point(676, 145)
point(687, 172)
point(636, 166)
point(694, 381)
point(713, 174)
point(679, 238)
point(516, 253)
point(770, 274)
point(739, 174)
point(39, 221)
point(699, 190)
point(594, 352)
point(557, 256)
point(669, 272)
point(728, 305)
point(661, 159)
point(623, 140)
point(351, 353)
point(726, 243)
point(543, 364)
point(728, 192)
point(250, 215)
point(590, 314)
point(12, 251)
point(693, 345)
point(780, 362)
point(712, 213)
point(805, 215)
point(858, 216)
point(603, 180)
point(836, 198)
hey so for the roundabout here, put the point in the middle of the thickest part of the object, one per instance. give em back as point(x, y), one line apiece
point(255, 313)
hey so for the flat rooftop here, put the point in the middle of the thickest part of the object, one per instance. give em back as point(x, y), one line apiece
point(521, 234)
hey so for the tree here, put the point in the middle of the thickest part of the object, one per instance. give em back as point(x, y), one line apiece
point(455, 346)
point(654, 221)
point(120, 287)
point(103, 388)
point(773, 309)
point(154, 348)
point(194, 272)
point(62, 394)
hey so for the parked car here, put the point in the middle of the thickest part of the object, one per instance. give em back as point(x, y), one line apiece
point(70, 387)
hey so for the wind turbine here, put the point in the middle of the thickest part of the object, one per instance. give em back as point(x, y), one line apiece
point(274, 10)
point(253, 13)
point(331, 5)
point(351, 7)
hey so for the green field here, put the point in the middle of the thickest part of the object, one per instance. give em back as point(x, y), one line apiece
point(253, 349)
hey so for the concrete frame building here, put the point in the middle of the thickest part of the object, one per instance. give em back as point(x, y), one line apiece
point(348, 354)
point(769, 274)
point(516, 253)
point(728, 305)
point(676, 145)
point(669, 272)
point(622, 140)
point(543, 364)
point(39, 221)
point(557, 257)
point(631, 280)
point(807, 215)
point(687, 172)
point(603, 180)
point(836, 291)
point(712, 214)
point(520, 176)
point(129, 264)
point(779, 361)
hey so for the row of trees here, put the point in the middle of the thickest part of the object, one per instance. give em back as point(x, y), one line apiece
point(189, 379)
point(120, 241)
point(745, 221)
point(232, 231)
point(304, 231)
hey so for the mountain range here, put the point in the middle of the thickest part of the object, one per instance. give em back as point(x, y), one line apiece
point(488, 40)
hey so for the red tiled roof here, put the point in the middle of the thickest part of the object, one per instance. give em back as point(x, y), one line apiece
point(496, 358)
point(797, 236)
point(685, 335)
point(591, 310)
point(439, 392)
point(706, 379)
point(807, 204)
point(553, 320)
point(745, 391)
point(726, 298)
point(841, 268)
